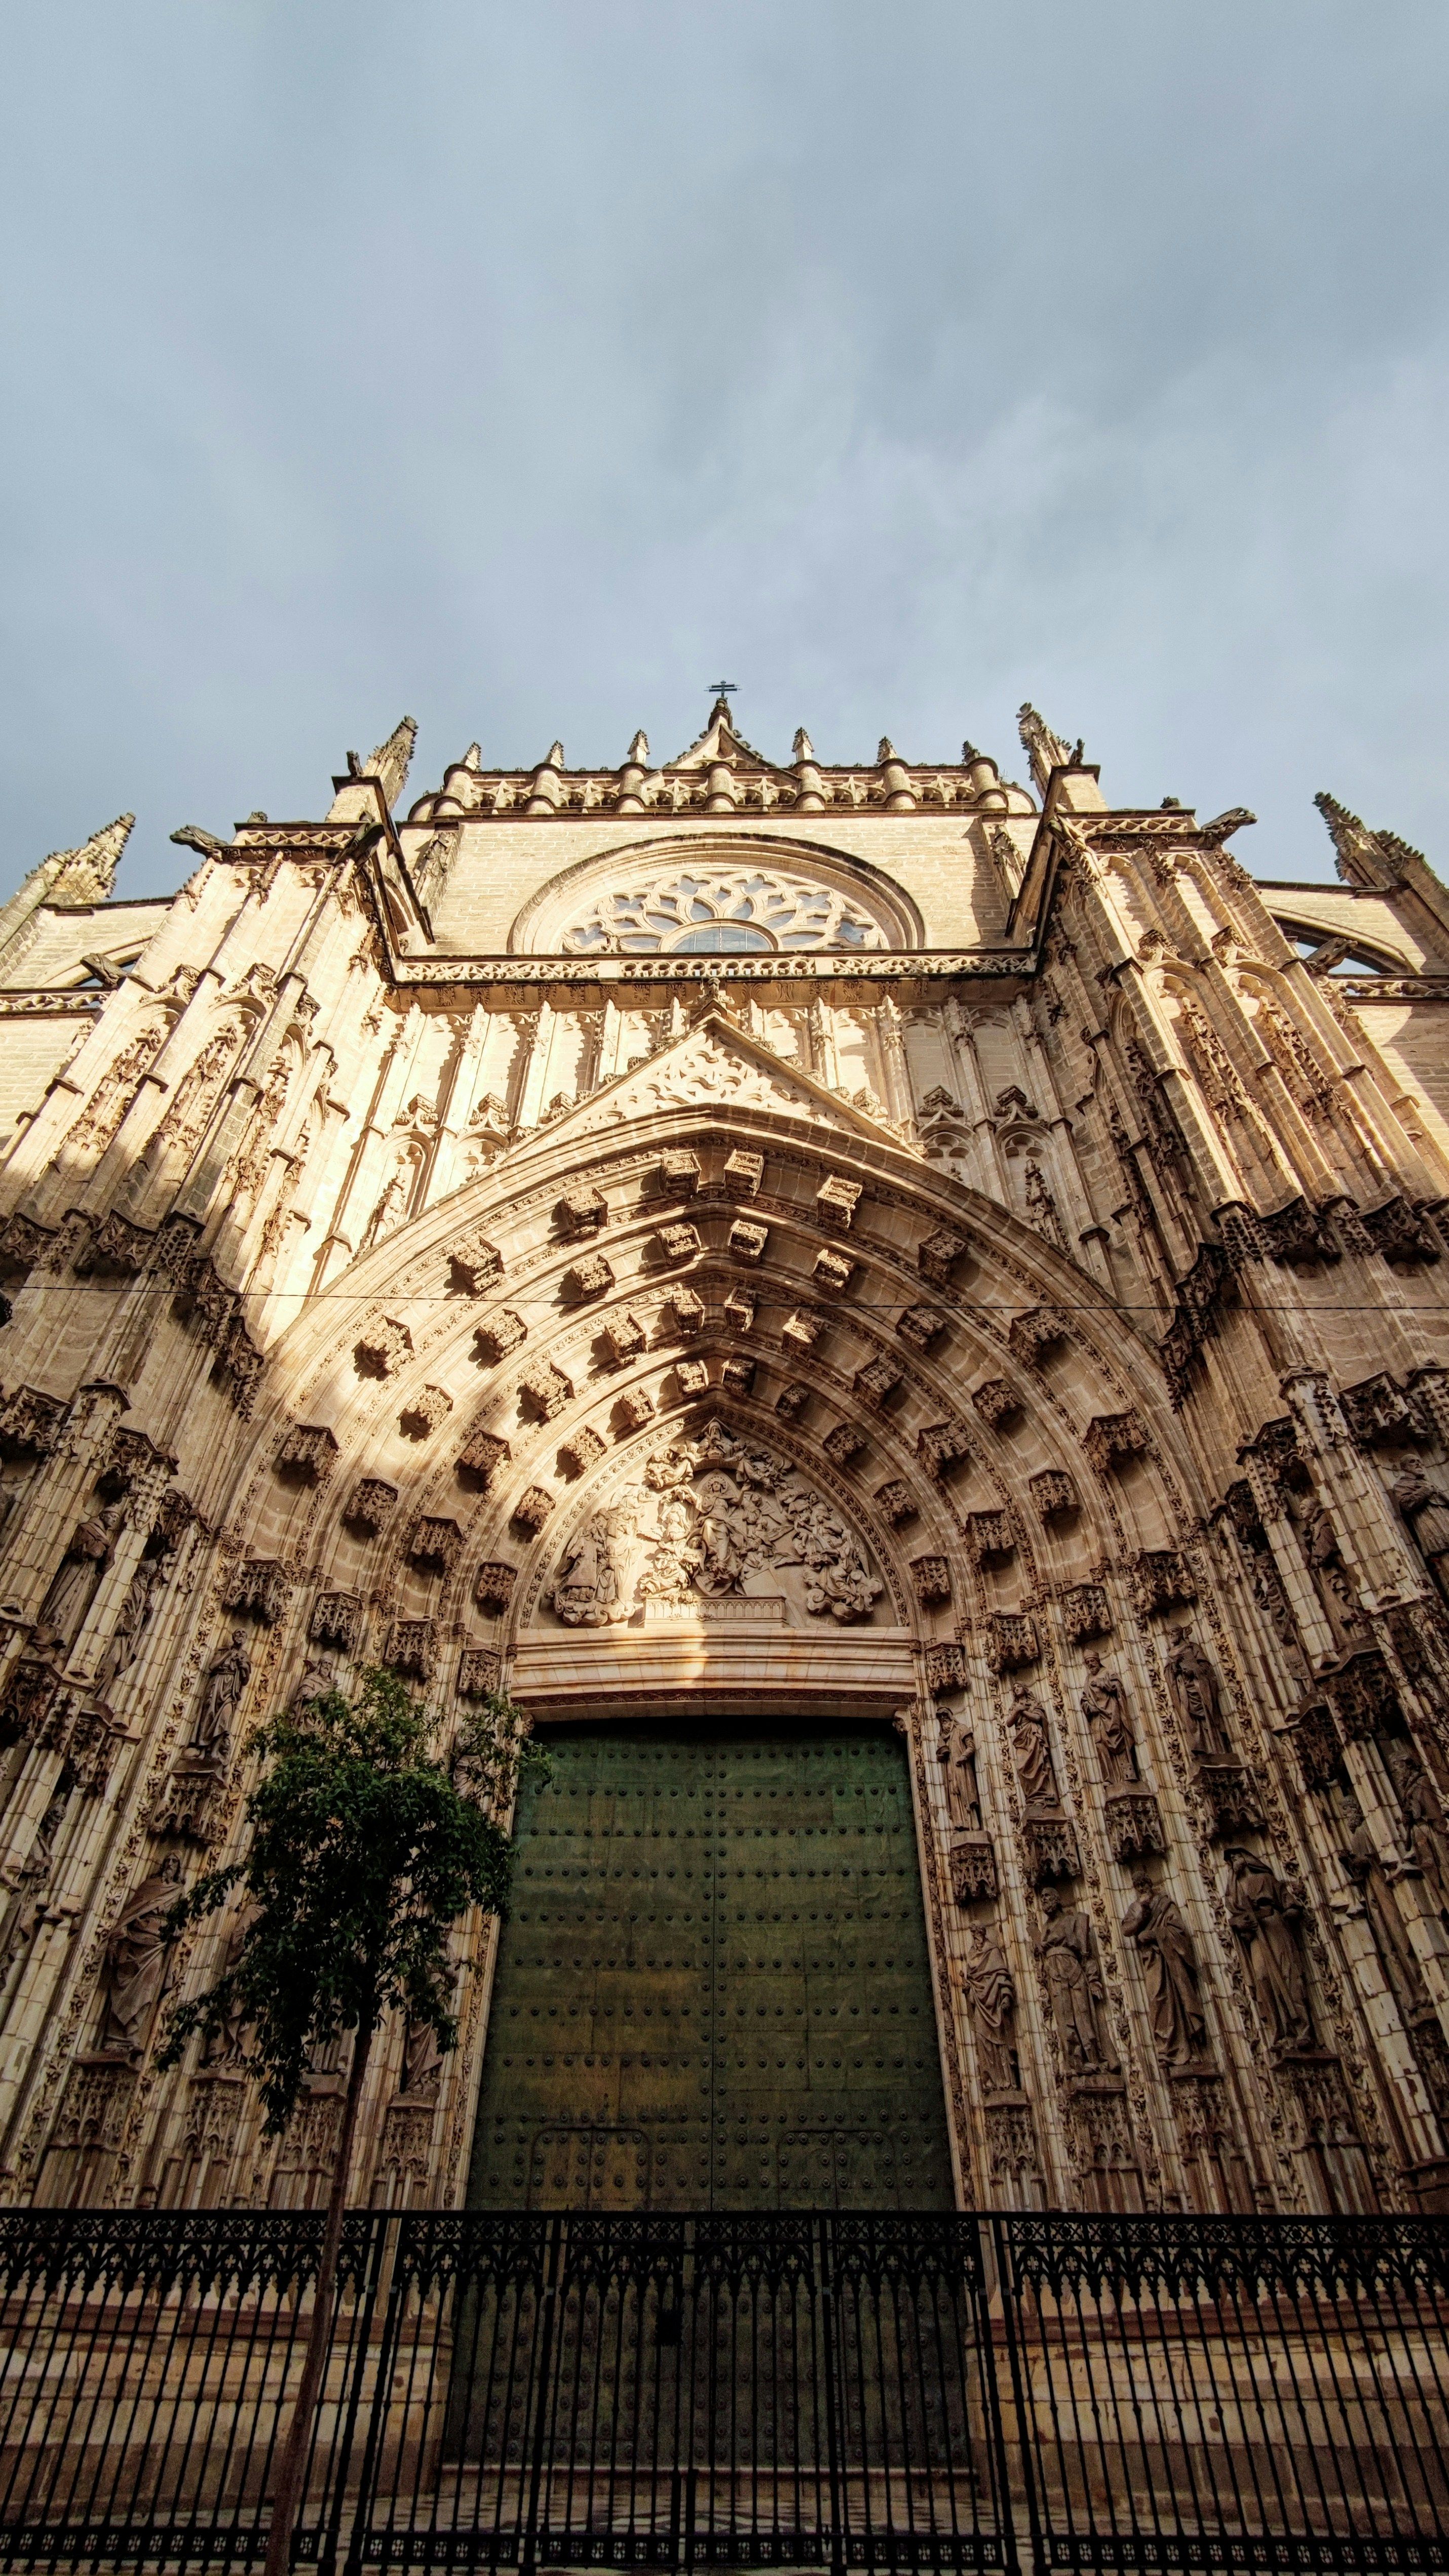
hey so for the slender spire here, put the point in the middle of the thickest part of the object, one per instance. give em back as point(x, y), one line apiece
point(802, 747)
point(390, 762)
point(1044, 749)
point(1362, 857)
point(87, 874)
point(638, 752)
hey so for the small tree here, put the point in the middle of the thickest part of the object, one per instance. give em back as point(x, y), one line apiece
point(364, 1850)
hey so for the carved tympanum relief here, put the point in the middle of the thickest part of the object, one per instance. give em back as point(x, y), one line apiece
point(713, 1526)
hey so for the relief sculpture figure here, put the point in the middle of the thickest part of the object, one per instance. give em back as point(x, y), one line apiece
point(956, 1748)
point(991, 2000)
point(1266, 1921)
point(1164, 1944)
point(1068, 1954)
point(1104, 1706)
point(226, 1679)
point(711, 1519)
point(137, 1962)
point(1031, 1743)
point(1195, 1688)
point(77, 1581)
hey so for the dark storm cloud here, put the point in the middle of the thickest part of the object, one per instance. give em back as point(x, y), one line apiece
point(532, 368)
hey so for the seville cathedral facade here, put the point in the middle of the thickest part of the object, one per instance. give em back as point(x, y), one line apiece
point(903, 1317)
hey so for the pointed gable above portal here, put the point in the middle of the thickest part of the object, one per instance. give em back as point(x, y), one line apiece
point(720, 744)
point(717, 1065)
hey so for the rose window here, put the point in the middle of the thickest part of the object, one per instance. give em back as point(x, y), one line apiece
point(700, 912)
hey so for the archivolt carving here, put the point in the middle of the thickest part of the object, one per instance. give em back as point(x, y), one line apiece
point(713, 1519)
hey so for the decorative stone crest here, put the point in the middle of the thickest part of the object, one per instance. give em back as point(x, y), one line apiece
point(546, 1389)
point(802, 1330)
point(931, 1576)
point(582, 1449)
point(687, 1310)
point(1161, 1580)
point(844, 1442)
point(583, 1211)
point(878, 1381)
point(1011, 1640)
point(258, 1585)
point(478, 1672)
point(897, 1502)
point(1086, 1612)
point(412, 1648)
point(336, 1621)
point(791, 1401)
point(624, 1338)
point(747, 1240)
point(945, 1667)
point(679, 1172)
point(306, 1453)
point(370, 1506)
point(532, 1508)
point(989, 1536)
point(1112, 1439)
point(493, 1585)
point(382, 1348)
point(481, 1453)
point(921, 1326)
point(1134, 1824)
point(427, 1412)
point(693, 1376)
point(743, 1173)
point(938, 1255)
point(836, 1201)
point(942, 1446)
point(434, 1545)
point(501, 1334)
point(591, 1277)
point(1052, 1492)
point(971, 1860)
point(1034, 1333)
point(739, 1309)
point(996, 1400)
point(476, 1263)
point(30, 1423)
point(834, 1270)
point(711, 1519)
point(678, 1242)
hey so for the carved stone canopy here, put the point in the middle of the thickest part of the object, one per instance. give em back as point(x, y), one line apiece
point(712, 1524)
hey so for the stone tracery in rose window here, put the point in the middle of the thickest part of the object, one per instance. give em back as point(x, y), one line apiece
point(711, 912)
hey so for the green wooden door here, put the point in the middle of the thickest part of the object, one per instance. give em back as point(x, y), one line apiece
point(713, 1990)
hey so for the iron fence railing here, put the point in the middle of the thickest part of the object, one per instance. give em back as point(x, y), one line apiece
point(632, 2390)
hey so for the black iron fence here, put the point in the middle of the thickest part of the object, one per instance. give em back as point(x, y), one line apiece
point(992, 2392)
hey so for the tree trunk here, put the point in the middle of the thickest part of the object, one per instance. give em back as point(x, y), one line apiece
point(287, 2496)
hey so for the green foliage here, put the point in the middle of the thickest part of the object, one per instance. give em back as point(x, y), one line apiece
point(489, 1752)
point(364, 1850)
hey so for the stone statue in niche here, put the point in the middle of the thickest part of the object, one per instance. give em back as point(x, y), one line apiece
point(991, 2002)
point(714, 1518)
point(1031, 1745)
point(78, 1578)
point(1331, 1579)
point(225, 2048)
point(1153, 1921)
point(1194, 1687)
point(1425, 1831)
point(136, 1965)
point(32, 1882)
point(226, 1679)
point(1266, 1921)
point(132, 1620)
point(1068, 1954)
point(956, 1748)
point(1425, 1509)
point(1104, 1706)
point(319, 1678)
point(1382, 1915)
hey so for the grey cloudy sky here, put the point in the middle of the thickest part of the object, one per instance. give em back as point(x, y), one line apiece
point(529, 367)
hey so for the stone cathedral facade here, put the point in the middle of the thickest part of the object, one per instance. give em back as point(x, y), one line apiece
point(903, 1317)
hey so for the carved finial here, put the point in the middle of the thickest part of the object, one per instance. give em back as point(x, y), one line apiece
point(638, 753)
point(1362, 857)
point(473, 756)
point(87, 874)
point(887, 749)
point(205, 844)
point(554, 757)
point(803, 747)
point(390, 762)
point(354, 765)
point(1044, 749)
